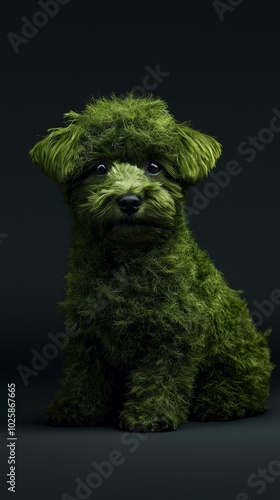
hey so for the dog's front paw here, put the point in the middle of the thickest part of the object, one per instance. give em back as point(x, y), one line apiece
point(135, 421)
point(62, 413)
point(68, 413)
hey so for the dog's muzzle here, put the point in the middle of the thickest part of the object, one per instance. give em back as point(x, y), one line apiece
point(129, 203)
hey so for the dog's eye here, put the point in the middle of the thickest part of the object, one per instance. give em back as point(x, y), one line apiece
point(100, 169)
point(153, 168)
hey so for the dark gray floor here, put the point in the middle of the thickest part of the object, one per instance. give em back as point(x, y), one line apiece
point(201, 461)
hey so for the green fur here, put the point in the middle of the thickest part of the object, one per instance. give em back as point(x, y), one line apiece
point(155, 335)
point(125, 129)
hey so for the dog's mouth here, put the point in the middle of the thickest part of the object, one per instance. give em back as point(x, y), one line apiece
point(130, 221)
point(132, 230)
point(125, 224)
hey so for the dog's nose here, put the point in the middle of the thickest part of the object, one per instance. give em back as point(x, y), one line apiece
point(129, 203)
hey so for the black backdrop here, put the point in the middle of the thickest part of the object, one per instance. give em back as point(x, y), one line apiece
point(215, 63)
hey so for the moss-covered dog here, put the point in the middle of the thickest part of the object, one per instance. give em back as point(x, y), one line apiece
point(155, 335)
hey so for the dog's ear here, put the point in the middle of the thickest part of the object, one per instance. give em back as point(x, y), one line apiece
point(197, 154)
point(58, 152)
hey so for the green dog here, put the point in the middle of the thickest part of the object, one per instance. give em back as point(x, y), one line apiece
point(154, 333)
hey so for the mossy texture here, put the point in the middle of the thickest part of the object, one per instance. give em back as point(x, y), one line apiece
point(155, 334)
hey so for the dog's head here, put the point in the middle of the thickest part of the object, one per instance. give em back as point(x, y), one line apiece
point(124, 165)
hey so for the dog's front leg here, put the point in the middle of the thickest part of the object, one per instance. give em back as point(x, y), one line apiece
point(160, 391)
point(84, 392)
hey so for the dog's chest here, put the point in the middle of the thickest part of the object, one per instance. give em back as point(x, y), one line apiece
point(129, 293)
point(130, 304)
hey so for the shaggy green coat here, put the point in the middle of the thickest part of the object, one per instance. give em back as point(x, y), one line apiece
point(155, 335)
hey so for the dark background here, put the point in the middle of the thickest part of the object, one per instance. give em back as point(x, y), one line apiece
point(224, 76)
